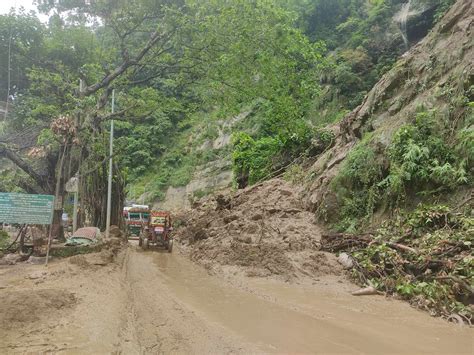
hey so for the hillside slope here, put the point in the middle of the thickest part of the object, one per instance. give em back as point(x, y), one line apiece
point(277, 229)
point(436, 74)
point(363, 39)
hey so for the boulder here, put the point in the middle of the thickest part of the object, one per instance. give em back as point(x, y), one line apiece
point(345, 260)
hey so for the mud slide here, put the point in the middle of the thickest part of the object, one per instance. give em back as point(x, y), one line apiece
point(320, 318)
point(153, 302)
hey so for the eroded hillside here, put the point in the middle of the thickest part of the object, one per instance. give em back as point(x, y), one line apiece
point(435, 77)
point(365, 184)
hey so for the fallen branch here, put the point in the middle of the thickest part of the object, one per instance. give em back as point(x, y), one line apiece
point(469, 199)
point(402, 247)
point(367, 291)
point(459, 281)
point(340, 241)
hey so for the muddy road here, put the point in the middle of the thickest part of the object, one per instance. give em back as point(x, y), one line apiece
point(155, 302)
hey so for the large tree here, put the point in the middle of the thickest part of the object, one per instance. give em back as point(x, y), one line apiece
point(164, 59)
point(67, 117)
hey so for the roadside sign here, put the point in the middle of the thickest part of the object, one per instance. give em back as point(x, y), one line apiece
point(26, 208)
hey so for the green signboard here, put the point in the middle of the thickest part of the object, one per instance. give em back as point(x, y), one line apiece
point(26, 209)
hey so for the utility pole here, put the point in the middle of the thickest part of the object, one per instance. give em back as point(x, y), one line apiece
point(76, 191)
point(74, 213)
point(109, 187)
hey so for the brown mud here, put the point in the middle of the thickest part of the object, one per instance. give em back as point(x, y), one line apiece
point(155, 302)
point(260, 231)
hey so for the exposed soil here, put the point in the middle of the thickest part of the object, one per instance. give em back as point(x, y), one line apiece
point(20, 306)
point(265, 286)
point(260, 231)
point(156, 302)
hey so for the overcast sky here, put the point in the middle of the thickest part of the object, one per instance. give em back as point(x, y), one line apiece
point(5, 5)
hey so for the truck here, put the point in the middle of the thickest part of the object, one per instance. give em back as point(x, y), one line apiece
point(157, 231)
point(136, 216)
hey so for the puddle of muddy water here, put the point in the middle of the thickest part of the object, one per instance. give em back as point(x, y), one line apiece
point(303, 319)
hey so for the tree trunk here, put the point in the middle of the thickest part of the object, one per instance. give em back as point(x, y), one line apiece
point(118, 199)
point(58, 230)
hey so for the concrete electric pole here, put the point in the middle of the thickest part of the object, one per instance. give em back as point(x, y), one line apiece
point(109, 187)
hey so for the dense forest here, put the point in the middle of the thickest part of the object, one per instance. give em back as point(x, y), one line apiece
point(256, 87)
point(296, 66)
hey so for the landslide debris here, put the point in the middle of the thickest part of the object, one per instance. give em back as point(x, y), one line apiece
point(371, 174)
point(260, 231)
point(102, 252)
point(424, 257)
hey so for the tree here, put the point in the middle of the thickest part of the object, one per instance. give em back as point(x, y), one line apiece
point(70, 120)
point(164, 59)
point(21, 38)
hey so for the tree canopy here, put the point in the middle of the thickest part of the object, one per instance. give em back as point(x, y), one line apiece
point(295, 64)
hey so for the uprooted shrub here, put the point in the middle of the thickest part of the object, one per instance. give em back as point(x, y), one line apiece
point(424, 257)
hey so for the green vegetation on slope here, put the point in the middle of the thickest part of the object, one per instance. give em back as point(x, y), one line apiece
point(272, 76)
point(299, 65)
point(361, 42)
point(425, 157)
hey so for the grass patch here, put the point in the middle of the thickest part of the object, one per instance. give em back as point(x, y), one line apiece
point(4, 239)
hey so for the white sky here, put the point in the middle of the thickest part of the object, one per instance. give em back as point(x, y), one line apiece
point(5, 5)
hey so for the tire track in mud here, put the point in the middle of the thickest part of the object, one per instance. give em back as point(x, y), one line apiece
point(152, 302)
point(128, 339)
point(154, 321)
point(203, 314)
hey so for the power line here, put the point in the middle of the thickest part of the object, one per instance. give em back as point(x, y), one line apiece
point(9, 68)
point(22, 138)
point(9, 65)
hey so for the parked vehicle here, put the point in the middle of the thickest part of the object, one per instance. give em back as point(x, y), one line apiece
point(136, 217)
point(157, 231)
point(85, 236)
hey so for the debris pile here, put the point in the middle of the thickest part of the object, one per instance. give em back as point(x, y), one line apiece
point(262, 231)
point(425, 257)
